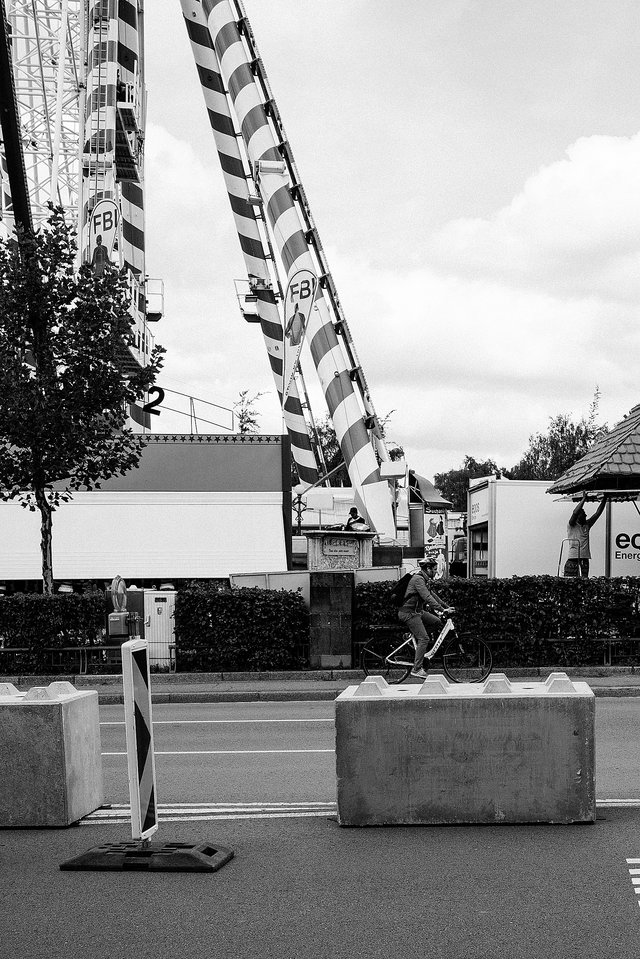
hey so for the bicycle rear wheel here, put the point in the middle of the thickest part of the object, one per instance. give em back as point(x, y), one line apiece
point(467, 660)
point(372, 658)
point(373, 662)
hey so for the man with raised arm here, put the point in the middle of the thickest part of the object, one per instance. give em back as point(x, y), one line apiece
point(577, 563)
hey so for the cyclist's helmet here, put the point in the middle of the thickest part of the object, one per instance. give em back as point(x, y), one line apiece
point(427, 561)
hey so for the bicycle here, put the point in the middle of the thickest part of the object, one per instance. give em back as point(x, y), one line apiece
point(464, 659)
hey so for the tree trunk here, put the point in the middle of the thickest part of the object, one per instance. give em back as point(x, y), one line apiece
point(45, 540)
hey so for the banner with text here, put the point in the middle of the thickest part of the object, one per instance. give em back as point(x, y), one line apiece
point(298, 303)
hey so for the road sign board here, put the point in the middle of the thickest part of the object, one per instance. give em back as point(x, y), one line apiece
point(139, 730)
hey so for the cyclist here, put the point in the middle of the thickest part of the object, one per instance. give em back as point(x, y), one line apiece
point(416, 611)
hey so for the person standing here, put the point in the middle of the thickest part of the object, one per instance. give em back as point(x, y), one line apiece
point(417, 612)
point(458, 565)
point(578, 530)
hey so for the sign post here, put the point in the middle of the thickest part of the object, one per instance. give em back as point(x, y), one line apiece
point(139, 729)
point(141, 854)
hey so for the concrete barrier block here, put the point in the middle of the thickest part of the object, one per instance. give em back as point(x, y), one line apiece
point(8, 689)
point(50, 756)
point(493, 752)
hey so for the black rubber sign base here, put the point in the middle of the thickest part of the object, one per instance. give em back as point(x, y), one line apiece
point(151, 857)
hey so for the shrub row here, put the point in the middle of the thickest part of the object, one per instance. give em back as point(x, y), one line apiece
point(244, 629)
point(523, 615)
point(35, 621)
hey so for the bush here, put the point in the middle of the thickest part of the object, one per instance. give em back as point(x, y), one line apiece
point(36, 621)
point(240, 629)
point(522, 615)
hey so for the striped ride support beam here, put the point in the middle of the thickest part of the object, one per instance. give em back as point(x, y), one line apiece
point(132, 204)
point(100, 121)
point(289, 231)
point(233, 170)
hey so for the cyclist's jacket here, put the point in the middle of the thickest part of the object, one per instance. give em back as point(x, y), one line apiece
point(419, 595)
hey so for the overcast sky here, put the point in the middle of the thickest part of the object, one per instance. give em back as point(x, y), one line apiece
point(473, 168)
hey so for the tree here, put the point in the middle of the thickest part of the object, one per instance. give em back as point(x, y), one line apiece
point(454, 484)
point(246, 413)
point(550, 454)
point(63, 397)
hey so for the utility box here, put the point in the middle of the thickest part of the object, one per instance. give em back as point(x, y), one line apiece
point(159, 626)
point(50, 756)
point(119, 624)
point(440, 752)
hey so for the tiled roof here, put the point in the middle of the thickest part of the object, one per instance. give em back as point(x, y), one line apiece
point(612, 463)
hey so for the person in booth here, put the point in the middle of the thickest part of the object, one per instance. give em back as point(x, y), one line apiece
point(355, 521)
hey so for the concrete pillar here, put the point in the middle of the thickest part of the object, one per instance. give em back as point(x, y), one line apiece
point(330, 619)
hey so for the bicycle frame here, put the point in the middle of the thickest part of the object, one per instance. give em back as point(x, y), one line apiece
point(444, 632)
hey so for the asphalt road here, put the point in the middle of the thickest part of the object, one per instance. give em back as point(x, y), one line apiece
point(301, 885)
point(281, 752)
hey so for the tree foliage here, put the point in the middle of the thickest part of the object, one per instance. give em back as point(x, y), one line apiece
point(454, 484)
point(246, 413)
point(64, 335)
point(550, 454)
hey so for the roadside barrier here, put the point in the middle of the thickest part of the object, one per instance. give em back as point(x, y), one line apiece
point(440, 752)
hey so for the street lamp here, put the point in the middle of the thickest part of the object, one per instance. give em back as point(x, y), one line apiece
point(299, 489)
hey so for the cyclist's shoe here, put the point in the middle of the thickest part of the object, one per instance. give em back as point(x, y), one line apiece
point(419, 673)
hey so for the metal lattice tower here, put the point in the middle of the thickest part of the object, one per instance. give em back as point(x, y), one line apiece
point(47, 51)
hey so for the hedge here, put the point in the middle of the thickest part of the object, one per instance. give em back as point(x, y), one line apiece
point(36, 621)
point(522, 615)
point(240, 629)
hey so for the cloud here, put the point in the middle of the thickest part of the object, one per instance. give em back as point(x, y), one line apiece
point(509, 320)
point(513, 318)
point(573, 230)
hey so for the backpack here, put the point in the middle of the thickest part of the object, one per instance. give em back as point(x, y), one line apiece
point(396, 594)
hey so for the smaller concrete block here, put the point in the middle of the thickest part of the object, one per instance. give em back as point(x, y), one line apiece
point(39, 693)
point(8, 689)
point(559, 683)
point(434, 686)
point(50, 757)
point(368, 689)
point(497, 683)
point(380, 681)
point(62, 688)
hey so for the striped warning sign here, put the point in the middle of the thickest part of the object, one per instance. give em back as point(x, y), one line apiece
point(139, 730)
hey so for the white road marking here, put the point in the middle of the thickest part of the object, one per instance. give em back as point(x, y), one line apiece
point(119, 814)
point(612, 803)
point(635, 878)
point(227, 752)
point(213, 722)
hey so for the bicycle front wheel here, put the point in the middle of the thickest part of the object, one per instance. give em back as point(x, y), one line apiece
point(467, 660)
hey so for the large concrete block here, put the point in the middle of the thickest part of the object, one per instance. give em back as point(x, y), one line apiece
point(50, 756)
point(440, 752)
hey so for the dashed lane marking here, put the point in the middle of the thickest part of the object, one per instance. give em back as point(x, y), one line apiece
point(227, 752)
point(118, 814)
point(213, 722)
